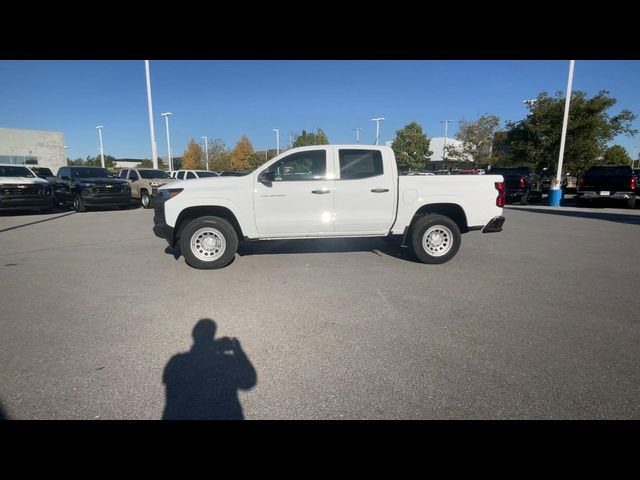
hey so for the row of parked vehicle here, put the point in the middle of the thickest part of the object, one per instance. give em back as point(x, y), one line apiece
point(36, 188)
point(610, 183)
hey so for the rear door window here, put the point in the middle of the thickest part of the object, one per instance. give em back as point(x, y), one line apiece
point(356, 164)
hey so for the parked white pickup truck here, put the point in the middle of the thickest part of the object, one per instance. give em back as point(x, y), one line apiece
point(326, 191)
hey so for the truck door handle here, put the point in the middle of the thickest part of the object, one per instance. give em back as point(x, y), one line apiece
point(379, 190)
point(321, 191)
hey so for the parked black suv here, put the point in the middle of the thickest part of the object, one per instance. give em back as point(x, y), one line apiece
point(521, 183)
point(85, 187)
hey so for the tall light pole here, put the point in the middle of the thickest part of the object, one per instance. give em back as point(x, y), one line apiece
point(166, 121)
point(555, 192)
point(357, 130)
point(277, 141)
point(100, 127)
point(377, 120)
point(206, 152)
point(66, 155)
point(446, 129)
point(154, 151)
point(291, 140)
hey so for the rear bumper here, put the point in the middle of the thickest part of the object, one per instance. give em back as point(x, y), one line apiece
point(494, 225)
point(616, 195)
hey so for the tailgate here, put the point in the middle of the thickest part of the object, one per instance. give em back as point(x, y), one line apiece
point(612, 183)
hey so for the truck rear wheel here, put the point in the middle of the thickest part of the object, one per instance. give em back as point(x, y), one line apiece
point(435, 239)
point(208, 242)
point(524, 199)
point(631, 202)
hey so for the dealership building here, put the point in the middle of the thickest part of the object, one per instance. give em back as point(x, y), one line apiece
point(32, 147)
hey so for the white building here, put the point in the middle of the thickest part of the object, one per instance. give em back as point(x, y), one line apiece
point(436, 145)
point(32, 147)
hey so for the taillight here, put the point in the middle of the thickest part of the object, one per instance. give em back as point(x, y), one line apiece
point(502, 194)
point(633, 182)
point(581, 183)
point(521, 182)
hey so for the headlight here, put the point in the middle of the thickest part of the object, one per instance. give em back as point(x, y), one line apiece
point(155, 184)
point(168, 193)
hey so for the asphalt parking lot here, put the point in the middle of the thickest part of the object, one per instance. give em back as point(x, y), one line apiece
point(538, 322)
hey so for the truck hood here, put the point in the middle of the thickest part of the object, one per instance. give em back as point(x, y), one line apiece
point(23, 180)
point(101, 181)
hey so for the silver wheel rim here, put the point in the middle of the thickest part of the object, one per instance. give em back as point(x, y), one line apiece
point(437, 240)
point(145, 201)
point(208, 244)
point(76, 203)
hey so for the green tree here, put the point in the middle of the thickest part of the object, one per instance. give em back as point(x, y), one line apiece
point(255, 160)
point(109, 161)
point(535, 140)
point(617, 155)
point(217, 153)
point(192, 156)
point(411, 147)
point(310, 138)
point(146, 163)
point(477, 140)
point(241, 154)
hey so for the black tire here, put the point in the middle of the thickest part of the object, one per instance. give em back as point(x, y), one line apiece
point(78, 204)
point(215, 229)
point(631, 203)
point(524, 199)
point(145, 200)
point(448, 234)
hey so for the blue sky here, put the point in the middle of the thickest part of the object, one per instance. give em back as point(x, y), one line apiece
point(226, 99)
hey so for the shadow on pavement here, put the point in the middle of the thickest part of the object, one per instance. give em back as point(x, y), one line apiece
point(378, 246)
point(612, 217)
point(203, 383)
point(39, 221)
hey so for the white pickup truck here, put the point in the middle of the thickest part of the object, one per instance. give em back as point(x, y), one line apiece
point(326, 191)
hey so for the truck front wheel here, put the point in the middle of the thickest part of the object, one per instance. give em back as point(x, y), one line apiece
point(78, 204)
point(208, 242)
point(145, 199)
point(435, 239)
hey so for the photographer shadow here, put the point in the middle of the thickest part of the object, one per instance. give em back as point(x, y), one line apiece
point(203, 383)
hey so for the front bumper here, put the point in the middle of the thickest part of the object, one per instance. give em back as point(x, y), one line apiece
point(494, 225)
point(106, 200)
point(160, 227)
point(25, 202)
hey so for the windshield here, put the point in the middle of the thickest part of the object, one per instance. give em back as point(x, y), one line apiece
point(510, 171)
point(11, 171)
point(152, 174)
point(207, 174)
point(43, 171)
point(610, 170)
point(90, 173)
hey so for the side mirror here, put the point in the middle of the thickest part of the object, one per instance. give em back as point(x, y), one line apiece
point(267, 176)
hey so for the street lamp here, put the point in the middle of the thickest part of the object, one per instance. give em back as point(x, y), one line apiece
point(446, 125)
point(291, 140)
point(357, 130)
point(555, 192)
point(206, 152)
point(100, 127)
point(66, 155)
point(166, 121)
point(377, 120)
point(277, 141)
point(154, 148)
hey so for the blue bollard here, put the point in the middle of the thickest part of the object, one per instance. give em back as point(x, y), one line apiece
point(555, 195)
